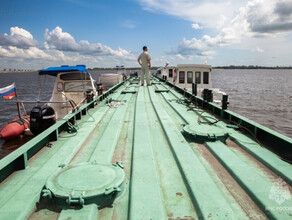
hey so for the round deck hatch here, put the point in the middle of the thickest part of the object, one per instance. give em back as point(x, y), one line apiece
point(86, 183)
point(203, 132)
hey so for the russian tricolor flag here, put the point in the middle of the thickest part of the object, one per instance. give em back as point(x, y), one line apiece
point(8, 92)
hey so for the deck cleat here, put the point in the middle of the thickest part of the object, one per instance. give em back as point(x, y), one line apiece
point(203, 132)
point(85, 183)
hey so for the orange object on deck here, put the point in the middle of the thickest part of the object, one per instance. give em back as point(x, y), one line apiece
point(14, 128)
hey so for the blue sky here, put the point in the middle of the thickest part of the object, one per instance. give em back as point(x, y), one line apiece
point(105, 33)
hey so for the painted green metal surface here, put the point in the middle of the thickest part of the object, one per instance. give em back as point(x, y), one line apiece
point(88, 212)
point(190, 168)
point(202, 132)
point(249, 178)
point(234, 168)
point(85, 183)
point(144, 182)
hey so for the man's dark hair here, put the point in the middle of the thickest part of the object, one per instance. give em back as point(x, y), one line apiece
point(144, 48)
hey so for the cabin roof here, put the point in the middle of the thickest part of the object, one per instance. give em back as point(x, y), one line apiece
point(194, 66)
point(175, 155)
point(54, 71)
point(166, 67)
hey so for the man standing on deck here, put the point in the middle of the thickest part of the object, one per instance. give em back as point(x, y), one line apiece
point(145, 61)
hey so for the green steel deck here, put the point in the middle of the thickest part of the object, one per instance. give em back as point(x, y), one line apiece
point(168, 174)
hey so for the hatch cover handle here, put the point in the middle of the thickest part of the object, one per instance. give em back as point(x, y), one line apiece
point(77, 201)
point(212, 137)
point(112, 190)
point(47, 193)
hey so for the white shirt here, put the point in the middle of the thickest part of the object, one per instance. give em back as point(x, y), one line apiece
point(144, 57)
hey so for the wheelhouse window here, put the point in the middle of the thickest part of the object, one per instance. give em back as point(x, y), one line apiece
point(206, 78)
point(198, 77)
point(170, 73)
point(74, 76)
point(181, 77)
point(190, 77)
point(77, 86)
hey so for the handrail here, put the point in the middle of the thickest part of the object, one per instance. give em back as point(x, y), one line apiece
point(278, 143)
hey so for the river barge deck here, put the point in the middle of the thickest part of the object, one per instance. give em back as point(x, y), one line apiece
point(155, 152)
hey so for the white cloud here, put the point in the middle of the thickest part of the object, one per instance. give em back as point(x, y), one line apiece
point(207, 14)
point(30, 53)
point(221, 21)
point(204, 12)
point(18, 37)
point(200, 48)
point(233, 21)
point(196, 26)
point(179, 56)
point(58, 48)
point(274, 17)
point(20, 32)
point(60, 40)
point(262, 16)
point(46, 46)
point(260, 50)
point(193, 44)
point(63, 41)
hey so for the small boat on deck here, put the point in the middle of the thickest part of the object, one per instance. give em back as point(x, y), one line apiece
point(73, 87)
point(108, 80)
point(188, 75)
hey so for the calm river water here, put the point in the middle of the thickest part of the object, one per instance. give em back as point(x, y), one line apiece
point(264, 96)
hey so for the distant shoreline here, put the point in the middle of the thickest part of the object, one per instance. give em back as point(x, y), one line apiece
point(213, 67)
point(155, 68)
point(252, 67)
point(24, 71)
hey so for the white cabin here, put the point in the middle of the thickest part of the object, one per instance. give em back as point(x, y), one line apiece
point(168, 72)
point(194, 73)
point(184, 75)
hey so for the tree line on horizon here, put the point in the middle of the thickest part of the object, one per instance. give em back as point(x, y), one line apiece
point(155, 68)
point(215, 67)
point(252, 67)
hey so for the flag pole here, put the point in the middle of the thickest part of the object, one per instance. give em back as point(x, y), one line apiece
point(17, 103)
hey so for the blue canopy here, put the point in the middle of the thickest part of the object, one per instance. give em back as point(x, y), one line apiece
point(54, 71)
